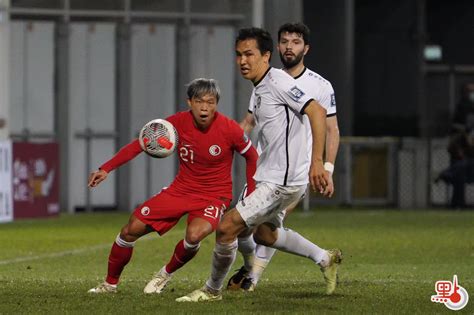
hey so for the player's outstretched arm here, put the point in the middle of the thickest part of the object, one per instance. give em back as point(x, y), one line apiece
point(95, 178)
point(251, 157)
point(332, 146)
point(248, 123)
point(317, 118)
point(125, 154)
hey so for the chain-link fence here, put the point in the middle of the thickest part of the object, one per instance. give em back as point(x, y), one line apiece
point(399, 172)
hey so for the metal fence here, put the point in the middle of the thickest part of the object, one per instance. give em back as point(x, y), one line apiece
point(391, 172)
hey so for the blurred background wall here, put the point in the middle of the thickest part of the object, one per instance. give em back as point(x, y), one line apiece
point(88, 74)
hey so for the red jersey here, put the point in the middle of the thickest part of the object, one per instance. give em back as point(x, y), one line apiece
point(205, 157)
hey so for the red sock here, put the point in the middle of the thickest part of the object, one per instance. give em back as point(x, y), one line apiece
point(180, 257)
point(118, 259)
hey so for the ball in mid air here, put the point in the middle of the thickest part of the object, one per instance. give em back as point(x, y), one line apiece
point(158, 138)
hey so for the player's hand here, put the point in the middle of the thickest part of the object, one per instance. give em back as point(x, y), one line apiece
point(329, 190)
point(318, 177)
point(95, 178)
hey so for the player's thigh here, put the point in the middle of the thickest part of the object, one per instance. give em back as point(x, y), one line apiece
point(293, 205)
point(134, 229)
point(162, 212)
point(197, 230)
point(230, 226)
point(209, 210)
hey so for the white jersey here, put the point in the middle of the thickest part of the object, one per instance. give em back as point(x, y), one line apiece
point(278, 104)
point(320, 90)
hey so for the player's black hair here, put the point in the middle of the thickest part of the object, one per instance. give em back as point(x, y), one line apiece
point(298, 28)
point(263, 38)
point(201, 86)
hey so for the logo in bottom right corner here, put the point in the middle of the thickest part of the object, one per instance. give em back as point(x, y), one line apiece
point(451, 294)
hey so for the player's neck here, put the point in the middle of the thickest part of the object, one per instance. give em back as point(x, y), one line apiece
point(260, 77)
point(296, 70)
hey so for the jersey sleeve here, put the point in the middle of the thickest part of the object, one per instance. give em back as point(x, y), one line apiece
point(285, 88)
point(127, 153)
point(240, 141)
point(328, 100)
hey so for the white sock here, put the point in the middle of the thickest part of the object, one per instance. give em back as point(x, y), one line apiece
point(247, 249)
point(291, 242)
point(222, 259)
point(193, 247)
point(263, 255)
point(122, 243)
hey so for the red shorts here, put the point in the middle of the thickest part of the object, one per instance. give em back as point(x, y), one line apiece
point(164, 210)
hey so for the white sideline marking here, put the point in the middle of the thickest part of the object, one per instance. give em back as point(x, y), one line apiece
point(65, 253)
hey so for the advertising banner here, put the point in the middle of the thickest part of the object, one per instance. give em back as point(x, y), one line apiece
point(35, 179)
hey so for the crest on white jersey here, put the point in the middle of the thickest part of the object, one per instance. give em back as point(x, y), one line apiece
point(215, 150)
point(296, 93)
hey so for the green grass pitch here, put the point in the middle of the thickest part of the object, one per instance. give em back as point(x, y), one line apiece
point(392, 260)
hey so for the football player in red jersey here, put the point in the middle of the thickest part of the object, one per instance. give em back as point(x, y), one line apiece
point(202, 188)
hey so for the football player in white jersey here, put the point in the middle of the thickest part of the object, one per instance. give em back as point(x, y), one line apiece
point(282, 168)
point(292, 46)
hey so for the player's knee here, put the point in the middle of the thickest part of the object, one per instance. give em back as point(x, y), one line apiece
point(223, 230)
point(264, 240)
point(225, 233)
point(195, 236)
point(125, 234)
point(264, 235)
point(132, 231)
point(230, 226)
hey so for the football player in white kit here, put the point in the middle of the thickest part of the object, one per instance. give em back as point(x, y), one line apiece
point(282, 168)
point(292, 46)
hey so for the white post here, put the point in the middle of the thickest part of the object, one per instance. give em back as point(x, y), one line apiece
point(258, 7)
point(4, 68)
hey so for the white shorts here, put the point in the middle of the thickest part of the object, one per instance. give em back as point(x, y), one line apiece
point(268, 203)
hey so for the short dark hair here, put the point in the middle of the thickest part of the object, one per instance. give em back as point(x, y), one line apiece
point(263, 38)
point(298, 28)
point(201, 86)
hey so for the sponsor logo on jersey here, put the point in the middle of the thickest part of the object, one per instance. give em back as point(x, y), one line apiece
point(145, 211)
point(215, 150)
point(333, 100)
point(295, 93)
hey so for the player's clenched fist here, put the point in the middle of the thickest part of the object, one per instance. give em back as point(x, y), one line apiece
point(318, 177)
point(95, 178)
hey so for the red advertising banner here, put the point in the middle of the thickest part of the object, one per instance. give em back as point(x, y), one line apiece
point(35, 175)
